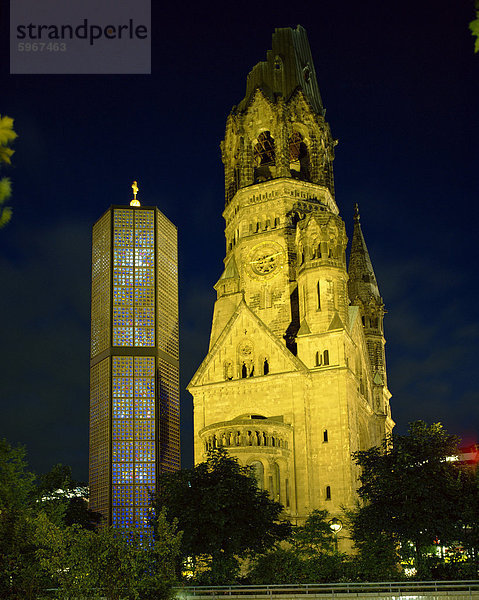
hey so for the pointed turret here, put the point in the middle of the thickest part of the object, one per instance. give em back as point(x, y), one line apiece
point(362, 282)
point(364, 293)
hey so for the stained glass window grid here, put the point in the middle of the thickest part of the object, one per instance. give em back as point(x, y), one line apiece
point(123, 516)
point(144, 451)
point(123, 429)
point(142, 495)
point(123, 495)
point(141, 223)
point(123, 451)
point(122, 472)
point(144, 429)
point(143, 462)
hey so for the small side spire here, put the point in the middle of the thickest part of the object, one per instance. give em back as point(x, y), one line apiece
point(362, 280)
point(135, 189)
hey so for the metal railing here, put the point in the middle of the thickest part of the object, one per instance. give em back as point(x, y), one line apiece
point(379, 589)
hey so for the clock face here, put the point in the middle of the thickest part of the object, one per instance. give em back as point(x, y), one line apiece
point(266, 259)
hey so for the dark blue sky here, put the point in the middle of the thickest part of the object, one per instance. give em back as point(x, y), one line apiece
point(400, 83)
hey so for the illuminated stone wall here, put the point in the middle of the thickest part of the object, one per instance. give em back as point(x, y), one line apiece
point(288, 385)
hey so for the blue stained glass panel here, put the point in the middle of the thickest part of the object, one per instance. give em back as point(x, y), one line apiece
point(122, 429)
point(123, 237)
point(122, 472)
point(142, 495)
point(144, 451)
point(145, 473)
point(123, 336)
point(122, 451)
point(144, 366)
point(123, 257)
point(144, 257)
point(123, 276)
point(144, 387)
point(123, 495)
point(123, 408)
point(145, 408)
point(122, 296)
point(122, 516)
point(145, 336)
point(123, 316)
point(145, 429)
point(122, 387)
point(144, 277)
point(145, 317)
point(144, 238)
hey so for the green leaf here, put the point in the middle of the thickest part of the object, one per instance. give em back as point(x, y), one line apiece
point(474, 27)
point(7, 134)
point(5, 154)
point(5, 189)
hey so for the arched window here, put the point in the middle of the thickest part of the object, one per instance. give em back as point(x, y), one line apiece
point(298, 157)
point(265, 367)
point(326, 357)
point(319, 359)
point(275, 483)
point(264, 157)
point(325, 435)
point(244, 371)
point(263, 152)
point(328, 492)
point(258, 471)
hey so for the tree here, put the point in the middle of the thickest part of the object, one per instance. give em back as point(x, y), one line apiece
point(315, 536)
point(222, 513)
point(474, 27)
point(7, 136)
point(412, 493)
point(309, 558)
point(66, 499)
point(109, 563)
point(20, 572)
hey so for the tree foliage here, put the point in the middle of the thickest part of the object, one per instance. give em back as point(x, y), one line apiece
point(222, 513)
point(20, 576)
point(308, 557)
point(7, 136)
point(414, 496)
point(64, 498)
point(474, 27)
point(109, 563)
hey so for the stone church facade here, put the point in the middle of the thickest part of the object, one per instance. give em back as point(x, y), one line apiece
point(295, 377)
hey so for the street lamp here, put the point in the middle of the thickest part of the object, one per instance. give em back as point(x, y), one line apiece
point(335, 525)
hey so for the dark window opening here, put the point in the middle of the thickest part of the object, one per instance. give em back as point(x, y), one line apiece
point(264, 150)
point(244, 371)
point(265, 367)
point(325, 435)
point(326, 357)
point(328, 492)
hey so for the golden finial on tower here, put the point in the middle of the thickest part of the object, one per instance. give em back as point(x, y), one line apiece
point(135, 189)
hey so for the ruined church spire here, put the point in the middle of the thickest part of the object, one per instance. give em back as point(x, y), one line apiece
point(288, 66)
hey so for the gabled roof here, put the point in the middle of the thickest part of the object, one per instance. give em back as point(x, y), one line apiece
point(243, 309)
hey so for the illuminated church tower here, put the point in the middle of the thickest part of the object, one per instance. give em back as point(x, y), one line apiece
point(294, 380)
point(134, 383)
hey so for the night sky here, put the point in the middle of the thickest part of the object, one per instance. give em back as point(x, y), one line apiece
point(400, 83)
